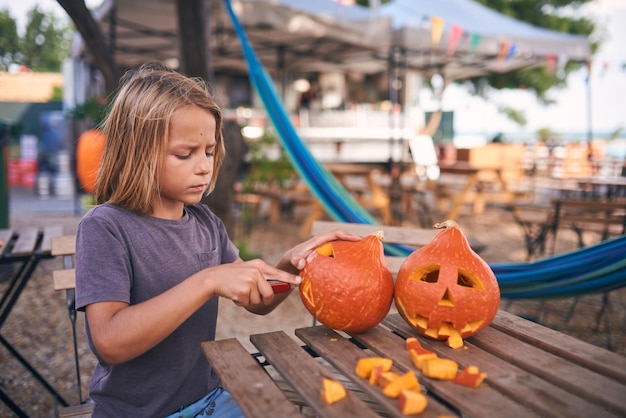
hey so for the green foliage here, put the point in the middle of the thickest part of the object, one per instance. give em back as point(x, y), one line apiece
point(93, 110)
point(9, 39)
point(57, 94)
point(44, 45)
point(547, 135)
point(558, 15)
point(46, 41)
point(515, 115)
point(245, 252)
point(269, 164)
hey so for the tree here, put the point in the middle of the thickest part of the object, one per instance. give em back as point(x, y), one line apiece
point(42, 48)
point(9, 39)
point(46, 41)
point(94, 39)
point(194, 61)
point(558, 15)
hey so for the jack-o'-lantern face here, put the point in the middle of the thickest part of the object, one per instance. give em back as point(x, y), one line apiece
point(445, 287)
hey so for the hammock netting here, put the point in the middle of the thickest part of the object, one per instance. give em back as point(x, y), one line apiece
point(593, 269)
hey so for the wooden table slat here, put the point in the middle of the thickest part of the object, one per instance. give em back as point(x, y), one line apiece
point(48, 233)
point(305, 374)
point(254, 391)
point(582, 353)
point(26, 241)
point(64, 245)
point(64, 279)
point(562, 372)
point(5, 238)
point(343, 355)
point(512, 381)
point(473, 402)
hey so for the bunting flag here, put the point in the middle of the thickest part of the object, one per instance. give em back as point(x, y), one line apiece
point(551, 63)
point(605, 68)
point(511, 52)
point(456, 33)
point(504, 51)
point(588, 77)
point(436, 30)
point(474, 41)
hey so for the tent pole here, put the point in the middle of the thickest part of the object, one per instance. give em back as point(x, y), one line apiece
point(589, 123)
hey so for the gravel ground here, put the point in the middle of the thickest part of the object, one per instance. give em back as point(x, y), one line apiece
point(39, 326)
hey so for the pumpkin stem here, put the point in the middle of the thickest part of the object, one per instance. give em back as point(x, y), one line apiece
point(446, 224)
point(379, 234)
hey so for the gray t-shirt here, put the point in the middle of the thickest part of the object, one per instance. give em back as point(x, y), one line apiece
point(121, 256)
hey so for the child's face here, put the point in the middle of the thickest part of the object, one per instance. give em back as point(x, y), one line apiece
point(188, 166)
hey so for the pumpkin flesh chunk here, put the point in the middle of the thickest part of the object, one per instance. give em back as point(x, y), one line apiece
point(332, 391)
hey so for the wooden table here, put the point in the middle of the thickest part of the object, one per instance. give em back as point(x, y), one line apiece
point(532, 371)
point(362, 181)
point(20, 253)
point(473, 190)
point(609, 187)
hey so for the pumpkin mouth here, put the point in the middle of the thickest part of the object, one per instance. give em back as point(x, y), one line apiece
point(445, 329)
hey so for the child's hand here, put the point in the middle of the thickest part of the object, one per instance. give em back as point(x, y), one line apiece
point(246, 282)
point(297, 258)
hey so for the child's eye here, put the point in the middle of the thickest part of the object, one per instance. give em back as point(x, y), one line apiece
point(183, 156)
point(209, 154)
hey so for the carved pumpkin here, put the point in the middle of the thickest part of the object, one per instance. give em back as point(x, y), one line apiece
point(88, 155)
point(445, 289)
point(348, 286)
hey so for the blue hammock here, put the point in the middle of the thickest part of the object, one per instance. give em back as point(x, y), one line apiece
point(593, 269)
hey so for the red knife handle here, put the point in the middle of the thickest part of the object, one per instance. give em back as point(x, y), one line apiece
point(280, 287)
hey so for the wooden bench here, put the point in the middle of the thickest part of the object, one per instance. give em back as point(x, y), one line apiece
point(65, 280)
point(539, 223)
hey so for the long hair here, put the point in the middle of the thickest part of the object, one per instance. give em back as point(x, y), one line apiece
point(137, 131)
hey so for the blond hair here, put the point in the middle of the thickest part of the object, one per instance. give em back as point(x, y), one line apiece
point(137, 131)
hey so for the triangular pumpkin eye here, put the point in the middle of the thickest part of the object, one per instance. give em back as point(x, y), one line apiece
point(468, 279)
point(428, 274)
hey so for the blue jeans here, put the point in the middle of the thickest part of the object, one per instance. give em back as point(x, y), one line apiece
point(217, 404)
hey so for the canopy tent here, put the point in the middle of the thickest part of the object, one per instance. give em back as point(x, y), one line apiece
point(462, 38)
point(292, 36)
point(598, 268)
point(309, 36)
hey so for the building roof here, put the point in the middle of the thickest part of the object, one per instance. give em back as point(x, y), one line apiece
point(29, 87)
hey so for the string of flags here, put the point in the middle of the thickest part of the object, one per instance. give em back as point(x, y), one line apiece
point(508, 50)
point(457, 32)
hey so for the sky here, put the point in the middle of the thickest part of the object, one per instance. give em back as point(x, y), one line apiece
point(474, 116)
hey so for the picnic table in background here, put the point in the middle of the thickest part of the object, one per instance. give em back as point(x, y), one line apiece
point(20, 253)
point(479, 184)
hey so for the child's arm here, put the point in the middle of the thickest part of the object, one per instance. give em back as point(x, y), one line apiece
point(121, 332)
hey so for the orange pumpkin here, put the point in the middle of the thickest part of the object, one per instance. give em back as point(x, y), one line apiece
point(88, 155)
point(445, 288)
point(348, 285)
